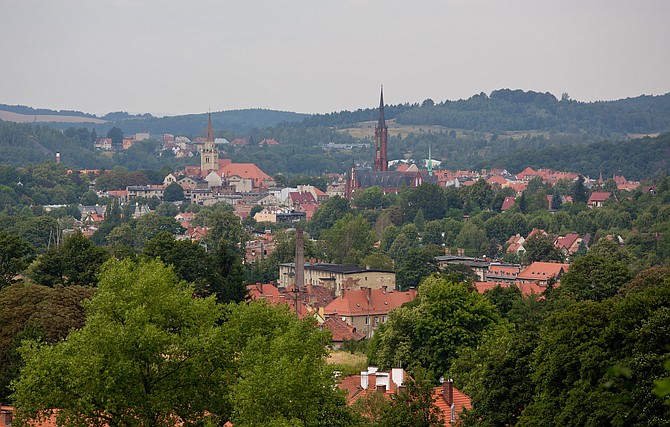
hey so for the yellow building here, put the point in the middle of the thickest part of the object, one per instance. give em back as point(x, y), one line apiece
point(337, 277)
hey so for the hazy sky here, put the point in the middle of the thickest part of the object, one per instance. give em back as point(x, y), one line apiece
point(316, 56)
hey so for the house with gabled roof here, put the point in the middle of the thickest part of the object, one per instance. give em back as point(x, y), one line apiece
point(450, 401)
point(568, 244)
point(372, 380)
point(515, 245)
point(341, 332)
point(598, 199)
point(540, 272)
point(268, 142)
point(234, 173)
point(367, 308)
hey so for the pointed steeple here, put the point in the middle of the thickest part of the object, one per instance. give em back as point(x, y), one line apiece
point(382, 121)
point(210, 130)
point(381, 137)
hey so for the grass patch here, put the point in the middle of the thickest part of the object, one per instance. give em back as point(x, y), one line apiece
point(348, 363)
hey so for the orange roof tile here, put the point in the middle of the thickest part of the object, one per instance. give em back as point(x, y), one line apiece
point(355, 302)
point(599, 196)
point(341, 331)
point(245, 170)
point(460, 402)
point(508, 203)
point(543, 271)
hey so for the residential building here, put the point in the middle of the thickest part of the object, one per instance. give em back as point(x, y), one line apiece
point(366, 308)
point(338, 277)
point(479, 266)
point(540, 272)
point(598, 198)
point(450, 401)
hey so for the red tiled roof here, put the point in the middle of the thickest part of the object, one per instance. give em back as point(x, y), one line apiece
point(341, 331)
point(508, 203)
point(504, 270)
point(245, 170)
point(309, 209)
point(527, 173)
point(461, 401)
point(536, 232)
point(300, 198)
point(543, 270)
point(599, 196)
point(355, 302)
point(567, 241)
point(496, 179)
point(519, 187)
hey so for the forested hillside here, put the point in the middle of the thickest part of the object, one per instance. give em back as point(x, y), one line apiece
point(635, 159)
point(515, 110)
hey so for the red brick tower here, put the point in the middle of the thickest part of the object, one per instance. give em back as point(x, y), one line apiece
point(381, 136)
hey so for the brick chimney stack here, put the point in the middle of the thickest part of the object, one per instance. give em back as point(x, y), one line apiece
point(299, 258)
point(448, 391)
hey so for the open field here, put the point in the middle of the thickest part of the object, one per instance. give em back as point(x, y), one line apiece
point(364, 130)
point(9, 116)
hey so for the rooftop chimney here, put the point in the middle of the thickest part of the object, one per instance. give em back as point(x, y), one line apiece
point(448, 391)
point(299, 258)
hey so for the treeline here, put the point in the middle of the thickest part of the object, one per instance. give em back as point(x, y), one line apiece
point(22, 109)
point(635, 159)
point(23, 144)
point(516, 110)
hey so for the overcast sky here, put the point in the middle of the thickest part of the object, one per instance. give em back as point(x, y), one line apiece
point(316, 56)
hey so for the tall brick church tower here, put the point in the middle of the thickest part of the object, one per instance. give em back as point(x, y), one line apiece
point(381, 136)
point(209, 156)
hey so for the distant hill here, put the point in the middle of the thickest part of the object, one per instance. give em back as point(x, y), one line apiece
point(635, 159)
point(240, 121)
point(516, 110)
point(508, 110)
point(30, 111)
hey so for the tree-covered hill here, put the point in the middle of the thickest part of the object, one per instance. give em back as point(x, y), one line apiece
point(189, 124)
point(240, 121)
point(516, 110)
point(635, 158)
point(26, 143)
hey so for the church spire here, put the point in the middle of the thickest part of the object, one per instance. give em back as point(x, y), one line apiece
point(381, 136)
point(382, 121)
point(210, 130)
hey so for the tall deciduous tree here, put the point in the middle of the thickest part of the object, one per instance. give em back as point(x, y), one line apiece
point(149, 352)
point(349, 240)
point(76, 262)
point(35, 312)
point(15, 254)
point(173, 193)
point(444, 318)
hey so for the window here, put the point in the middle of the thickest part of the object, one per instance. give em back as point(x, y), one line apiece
point(376, 321)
